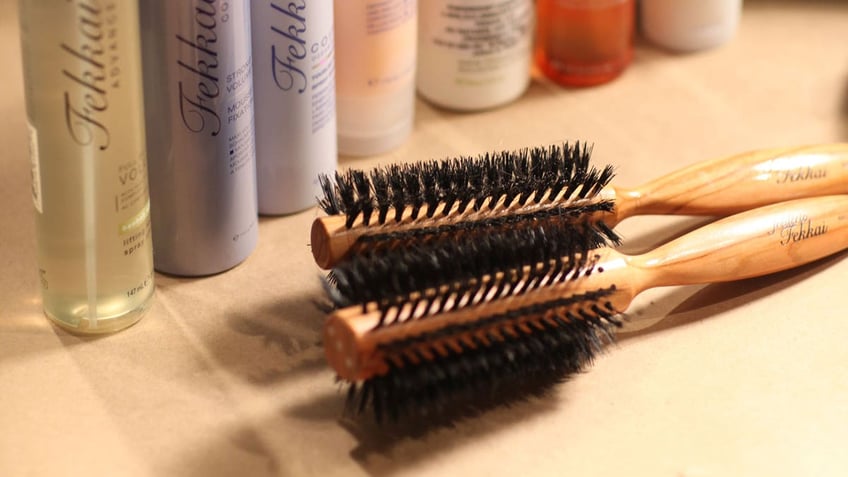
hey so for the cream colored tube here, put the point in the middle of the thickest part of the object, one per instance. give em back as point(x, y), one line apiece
point(375, 74)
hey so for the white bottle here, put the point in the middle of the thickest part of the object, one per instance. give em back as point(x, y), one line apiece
point(690, 25)
point(474, 54)
point(294, 91)
point(82, 73)
point(375, 74)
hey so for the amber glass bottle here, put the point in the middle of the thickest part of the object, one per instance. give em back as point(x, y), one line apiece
point(584, 42)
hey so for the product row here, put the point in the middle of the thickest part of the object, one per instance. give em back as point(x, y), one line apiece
point(161, 129)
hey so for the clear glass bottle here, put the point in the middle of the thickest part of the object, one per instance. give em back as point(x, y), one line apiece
point(82, 76)
point(584, 42)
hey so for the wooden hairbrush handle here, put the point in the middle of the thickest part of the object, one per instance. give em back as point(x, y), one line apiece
point(749, 244)
point(752, 243)
point(728, 185)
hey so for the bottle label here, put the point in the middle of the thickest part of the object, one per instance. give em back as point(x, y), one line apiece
point(136, 221)
point(213, 79)
point(298, 58)
point(380, 58)
point(135, 231)
point(35, 161)
point(385, 15)
point(92, 74)
point(323, 83)
point(394, 21)
point(490, 36)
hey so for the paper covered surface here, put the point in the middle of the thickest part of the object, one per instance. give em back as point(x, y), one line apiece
point(225, 375)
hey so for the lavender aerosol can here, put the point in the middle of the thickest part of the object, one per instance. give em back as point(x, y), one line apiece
point(199, 103)
point(294, 80)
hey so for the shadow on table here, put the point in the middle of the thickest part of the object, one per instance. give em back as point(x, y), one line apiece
point(292, 348)
point(273, 342)
point(426, 437)
point(391, 448)
point(718, 298)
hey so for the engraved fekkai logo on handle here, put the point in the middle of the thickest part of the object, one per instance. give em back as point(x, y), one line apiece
point(797, 228)
point(87, 100)
point(197, 97)
point(801, 174)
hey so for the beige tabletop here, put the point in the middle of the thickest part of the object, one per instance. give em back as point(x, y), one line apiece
point(226, 376)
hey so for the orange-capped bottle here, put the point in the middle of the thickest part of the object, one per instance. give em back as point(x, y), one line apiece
point(584, 42)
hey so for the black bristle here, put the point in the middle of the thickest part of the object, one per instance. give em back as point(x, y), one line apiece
point(329, 202)
point(604, 178)
point(559, 337)
point(347, 198)
point(540, 174)
point(415, 195)
point(471, 228)
point(445, 182)
point(479, 184)
point(380, 189)
point(610, 235)
point(557, 171)
point(372, 276)
point(579, 171)
point(364, 202)
point(397, 191)
point(456, 365)
point(429, 190)
point(485, 371)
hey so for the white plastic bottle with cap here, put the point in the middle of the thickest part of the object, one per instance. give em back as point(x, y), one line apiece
point(690, 25)
point(376, 45)
point(474, 54)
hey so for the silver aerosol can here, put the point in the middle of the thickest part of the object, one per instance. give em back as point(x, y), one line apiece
point(294, 81)
point(294, 78)
point(199, 103)
point(82, 76)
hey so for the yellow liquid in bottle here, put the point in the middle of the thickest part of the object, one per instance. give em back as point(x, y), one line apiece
point(84, 104)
